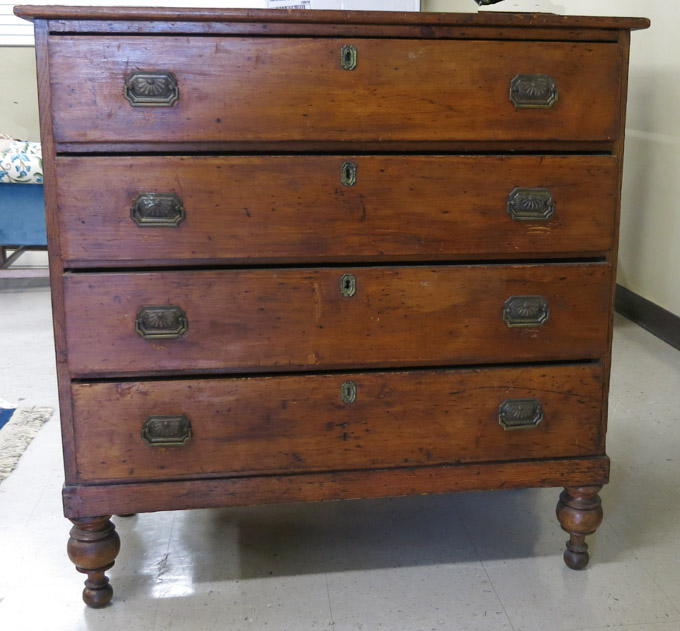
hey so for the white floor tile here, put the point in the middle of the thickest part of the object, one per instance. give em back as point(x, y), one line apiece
point(541, 593)
point(416, 598)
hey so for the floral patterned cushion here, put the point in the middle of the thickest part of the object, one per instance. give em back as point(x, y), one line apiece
point(20, 162)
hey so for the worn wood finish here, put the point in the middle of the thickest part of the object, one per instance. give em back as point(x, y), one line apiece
point(263, 82)
point(93, 546)
point(411, 31)
point(284, 319)
point(56, 266)
point(393, 482)
point(283, 209)
point(318, 146)
point(300, 423)
point(579, 512)
point(343, 18)
point(281, 89)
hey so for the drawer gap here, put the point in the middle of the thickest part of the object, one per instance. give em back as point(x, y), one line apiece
point(336, 265)
point(343, 371)
point(606, 37)
point(65, 150)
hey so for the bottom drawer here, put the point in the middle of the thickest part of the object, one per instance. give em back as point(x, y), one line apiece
point(259, 425)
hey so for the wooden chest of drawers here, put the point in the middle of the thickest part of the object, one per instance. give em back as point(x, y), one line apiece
point(324, 255)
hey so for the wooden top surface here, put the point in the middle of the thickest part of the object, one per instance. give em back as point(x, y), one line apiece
point(380, 18)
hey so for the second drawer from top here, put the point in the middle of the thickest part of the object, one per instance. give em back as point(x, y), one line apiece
point(294, 209)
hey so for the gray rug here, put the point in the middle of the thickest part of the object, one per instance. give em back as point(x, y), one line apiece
point(18, 433)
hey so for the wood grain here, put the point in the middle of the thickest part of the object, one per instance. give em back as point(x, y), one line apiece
point(292, 209)
point(299, 423)
point(289, 29)
point(287, 319)
point(294, 89)
point(375, 18)
point(186, 494)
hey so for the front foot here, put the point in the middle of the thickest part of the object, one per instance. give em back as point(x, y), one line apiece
point(579, 512)
point(93, 546)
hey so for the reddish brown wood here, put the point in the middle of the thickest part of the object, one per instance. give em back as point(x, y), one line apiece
point(318, 146)
point(412, 31)
point(283, 209)
point(579, 512)
point(299, 423)
point(613, 254)
point(186, 494)
point(263, 81)
point(376, 18)
point(284, 319)
point(288, 89)
point(93, 547)
point(56, 267)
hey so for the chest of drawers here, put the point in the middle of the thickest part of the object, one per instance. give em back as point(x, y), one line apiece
point(323, 255)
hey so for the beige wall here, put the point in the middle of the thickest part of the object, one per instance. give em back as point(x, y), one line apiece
point(19, 94)
point(650, 228)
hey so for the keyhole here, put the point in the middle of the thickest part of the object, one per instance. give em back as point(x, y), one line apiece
point(348, 392)
point(348, 285)
point(348, 173)
point(348, 57)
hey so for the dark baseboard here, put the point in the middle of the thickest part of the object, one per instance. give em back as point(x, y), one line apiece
point(655, 319)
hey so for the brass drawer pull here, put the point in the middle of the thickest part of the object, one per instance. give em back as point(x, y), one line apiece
point(348, 57)
point(348, 174)
point(533, 91)
point(161, 322)
point(525, 311)
point(348, 392)
point(531, 204)
point(348, 285)
point(151, 89)
point(166, 431)
point(158, 209)
point(520, 413)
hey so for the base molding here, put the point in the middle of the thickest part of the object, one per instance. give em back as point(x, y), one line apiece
point(144, 497)
point(651, 317)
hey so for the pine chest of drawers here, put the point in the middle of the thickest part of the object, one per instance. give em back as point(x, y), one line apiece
point(323, 255)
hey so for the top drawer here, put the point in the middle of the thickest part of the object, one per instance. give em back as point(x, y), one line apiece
point(248, 90)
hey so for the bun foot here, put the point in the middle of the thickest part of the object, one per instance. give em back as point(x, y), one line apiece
point(93, 546)
point(579, 512)
point(576, 554)
point(98, 592)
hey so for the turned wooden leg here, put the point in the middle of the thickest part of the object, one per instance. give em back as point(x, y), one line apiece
point(93, 546)
point(579, 512)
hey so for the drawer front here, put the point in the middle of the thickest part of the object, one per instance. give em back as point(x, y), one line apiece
point(161, 429)
point(315, 319)
point(247, 90)
point(121, 210)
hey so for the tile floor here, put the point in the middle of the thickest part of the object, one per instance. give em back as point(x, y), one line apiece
point(476, 561)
